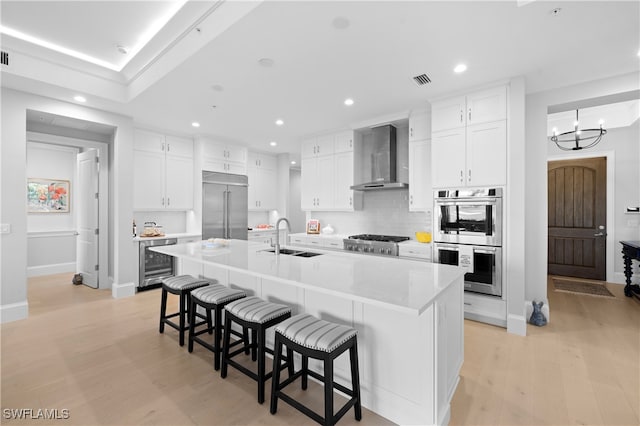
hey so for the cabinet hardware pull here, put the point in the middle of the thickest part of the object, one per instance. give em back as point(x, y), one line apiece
point(461, 116)
point(411, 131)
point(469, 114)
point(162, 147)
point(314, 149)
point(469, 175)
point(163, 201)
point(168, 147)
point(168, 201)
point(410, 199)
point(461, 176)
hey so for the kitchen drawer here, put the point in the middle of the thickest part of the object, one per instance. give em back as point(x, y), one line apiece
point(415, 250)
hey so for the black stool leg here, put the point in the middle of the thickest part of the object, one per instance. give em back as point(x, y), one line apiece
point(182, 314)
point(355, 380)
point(163, 309)
point(217, 339)
point(328, 391)
point(247, 344)
point(261, 364)
point(254, 339)
point(225, 346)
point(192, 324)
point(209, 323)
point(305, 371)
point(275, 379)
point(289, 360)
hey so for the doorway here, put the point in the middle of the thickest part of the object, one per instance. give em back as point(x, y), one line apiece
point(577, 218)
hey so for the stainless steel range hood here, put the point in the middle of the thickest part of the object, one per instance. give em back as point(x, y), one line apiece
point(382, 154)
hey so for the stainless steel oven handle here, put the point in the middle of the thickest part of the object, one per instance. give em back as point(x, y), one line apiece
point(447, 247)
point(465, 201)
point(485, 251)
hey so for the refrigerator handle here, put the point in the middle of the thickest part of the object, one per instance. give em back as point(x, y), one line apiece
point(227, 208)
point(224, 214)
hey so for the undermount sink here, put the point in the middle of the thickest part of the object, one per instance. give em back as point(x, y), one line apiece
point(298, 253)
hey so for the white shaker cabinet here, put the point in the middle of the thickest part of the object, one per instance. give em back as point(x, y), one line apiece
point(469, 139)
point(263, 181)
point(419, 125)
point(163, 176)
point(343, 194)
point(420, 193)
point(319, 146)
point(317, 180)
point(224, 158)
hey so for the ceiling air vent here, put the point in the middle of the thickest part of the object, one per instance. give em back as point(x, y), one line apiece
point(4, 58)
point(422, 79)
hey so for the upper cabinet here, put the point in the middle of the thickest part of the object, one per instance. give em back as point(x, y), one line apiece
point(328, 173)
point(163, 172)
point(419, 125)
point(420, 199)
point(475, 108)
point(263, 181)
point(225, 158)
point(469, 139)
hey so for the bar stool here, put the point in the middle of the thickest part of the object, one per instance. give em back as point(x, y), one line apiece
point(257, 315)
point(315, 338)
point(180, 285)
point(213, 298)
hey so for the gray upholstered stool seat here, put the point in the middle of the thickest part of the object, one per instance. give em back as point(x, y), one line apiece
point(213, 298)
point(313, 333)
point(181, 285)
point(256, 315)
point(315, 338)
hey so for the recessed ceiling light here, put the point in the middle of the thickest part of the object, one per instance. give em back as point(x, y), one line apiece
point(348, 102)
point(340, 23)
point(279, 122)
point(80, 98)
point(293, 162)
point(460, 68)
point(266, 62)
point(556, 11)
point(195, 124)
point(273, 143)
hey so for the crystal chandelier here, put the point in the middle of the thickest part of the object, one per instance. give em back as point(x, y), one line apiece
point(570, 141)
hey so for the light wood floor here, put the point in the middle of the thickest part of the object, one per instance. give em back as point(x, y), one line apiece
point(104, 361)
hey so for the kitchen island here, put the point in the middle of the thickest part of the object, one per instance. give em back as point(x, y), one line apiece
point(409, 316)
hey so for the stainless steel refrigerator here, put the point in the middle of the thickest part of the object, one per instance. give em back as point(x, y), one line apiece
point(224, 205)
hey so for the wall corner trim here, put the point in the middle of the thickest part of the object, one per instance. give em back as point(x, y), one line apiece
point(14, 312)
point(516, 324)
point(119, 291)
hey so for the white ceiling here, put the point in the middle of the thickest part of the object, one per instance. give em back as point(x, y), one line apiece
point(317, 66)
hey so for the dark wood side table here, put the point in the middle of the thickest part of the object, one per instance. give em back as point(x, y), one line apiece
point(630, 251)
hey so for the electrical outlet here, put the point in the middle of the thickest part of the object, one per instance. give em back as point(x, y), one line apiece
point(5, 228)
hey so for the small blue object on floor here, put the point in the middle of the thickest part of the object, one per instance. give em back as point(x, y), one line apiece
point(537, 317)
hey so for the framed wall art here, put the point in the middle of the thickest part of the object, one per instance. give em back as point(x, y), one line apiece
point(48, 195)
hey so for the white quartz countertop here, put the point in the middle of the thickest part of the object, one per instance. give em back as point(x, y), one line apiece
point(404, 285)
point(178, 235)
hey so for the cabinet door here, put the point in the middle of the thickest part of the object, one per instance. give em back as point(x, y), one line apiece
point(419, 126)
point(344, 142)
point(253, 190)
point(343, 164)
point(309, 148)
point(325, 183)
point(179, 146)
point(148, 180)
point(325, 145)
point(448, 114)
point(215, 166)
point(487, 154)
point(308, 172)
point(448, 158)
point(148, 141)
point(179, 183)
point(420, 198)
point(236, 154)
point(268, 196)
point(487, 105)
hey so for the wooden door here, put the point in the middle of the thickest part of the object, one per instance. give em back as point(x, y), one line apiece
point(577, 218)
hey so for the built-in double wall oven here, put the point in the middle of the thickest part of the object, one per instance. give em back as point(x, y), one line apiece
point(468, 233)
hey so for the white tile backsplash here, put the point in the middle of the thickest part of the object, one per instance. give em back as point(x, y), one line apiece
point(384, 212)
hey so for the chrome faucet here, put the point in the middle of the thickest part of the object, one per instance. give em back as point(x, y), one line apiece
point(277, 245)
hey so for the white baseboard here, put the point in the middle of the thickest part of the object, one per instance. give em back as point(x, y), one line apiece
point(517, 324)
point(14, 311)
point(119, 291)
point(56, 268)
point(619, 278)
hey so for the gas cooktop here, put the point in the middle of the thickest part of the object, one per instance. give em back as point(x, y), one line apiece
point(383, 238)
point(386, 245)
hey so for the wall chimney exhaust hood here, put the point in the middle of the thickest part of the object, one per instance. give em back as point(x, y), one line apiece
point(380, 153)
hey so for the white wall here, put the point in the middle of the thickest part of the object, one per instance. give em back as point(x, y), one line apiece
point(384, 212)
point(51, 245)
point(13, 175)
point(536, 151)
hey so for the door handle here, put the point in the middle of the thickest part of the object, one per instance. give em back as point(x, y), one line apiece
point(599, 234)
